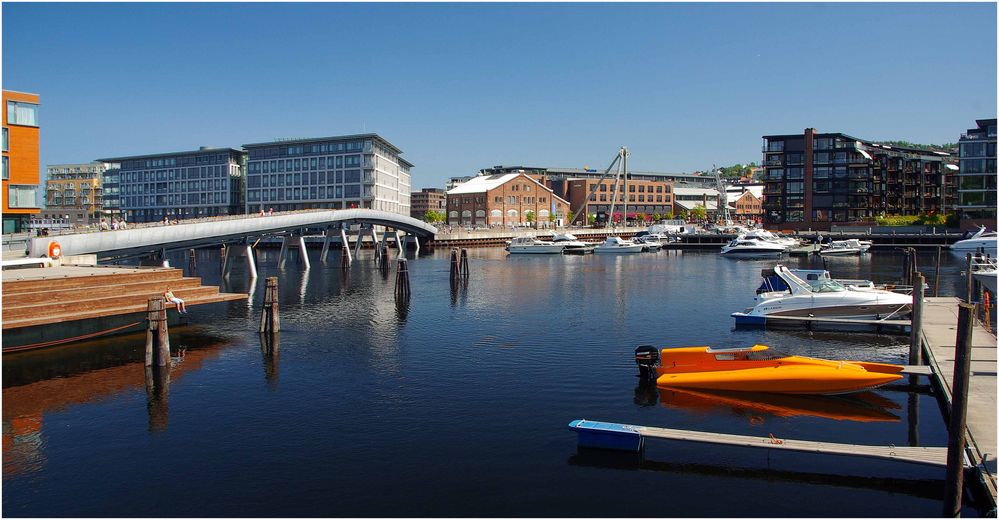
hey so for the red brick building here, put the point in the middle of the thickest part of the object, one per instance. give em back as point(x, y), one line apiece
point(644, 197)
point(505, 200)
point(749, 207)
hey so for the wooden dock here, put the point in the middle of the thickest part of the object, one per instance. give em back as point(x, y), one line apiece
point(939, 338)
point(50, 306)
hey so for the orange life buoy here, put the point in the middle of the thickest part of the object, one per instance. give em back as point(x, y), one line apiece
point(54, 250)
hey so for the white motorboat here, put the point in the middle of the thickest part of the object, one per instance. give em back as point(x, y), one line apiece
point(851, 247)
point(650, 242)
point(984, 270)
point(982, 241)
point(615, 245)
point(572, 245)
point(531, 245)
point(767, 236)
point(788, 296)
point(742, 247)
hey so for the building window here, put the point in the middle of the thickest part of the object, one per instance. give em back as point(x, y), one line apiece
point(6, 167)
point(21, 196)
point(19, 113)
point(6, 146)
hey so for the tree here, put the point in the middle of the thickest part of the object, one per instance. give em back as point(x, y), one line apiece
point(591, 219)
point(657, 217)
point(570, 218)
point(699, 213)
point(642, 217)
point(431, 216)
point(529, 216)
point(668, 215)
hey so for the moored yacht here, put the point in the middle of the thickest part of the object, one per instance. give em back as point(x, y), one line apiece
point(531, 245)
point(572, 245)
point(851, 247)
point(791, 297)
point(743, 247)
point(615, 245)
point(650, 242)
point(982, 241)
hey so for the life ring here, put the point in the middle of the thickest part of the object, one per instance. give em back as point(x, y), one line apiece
point(55, 251)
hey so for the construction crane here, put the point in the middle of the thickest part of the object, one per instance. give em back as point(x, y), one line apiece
point(722, 197)
point(621, 161)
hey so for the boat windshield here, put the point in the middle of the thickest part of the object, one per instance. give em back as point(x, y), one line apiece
point(829, 286)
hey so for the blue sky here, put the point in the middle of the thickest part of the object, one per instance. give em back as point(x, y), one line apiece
point(460, 87)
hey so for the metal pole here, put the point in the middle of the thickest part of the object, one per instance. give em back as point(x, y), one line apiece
point(968, 278)
point(624, 162)
point(954, 483)
point(936, 275)
point(916, 335)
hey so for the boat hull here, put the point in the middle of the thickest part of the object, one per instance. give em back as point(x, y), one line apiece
point(790, 379)
point(534, 250)
point(617, 250)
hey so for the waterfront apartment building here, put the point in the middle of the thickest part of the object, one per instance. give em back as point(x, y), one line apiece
point(817, 180)
point(427, 199)
point(74, 192)
point(976, 190)
point(504, 200)
point(180, 185)
point(21, 173)
point(350, 171)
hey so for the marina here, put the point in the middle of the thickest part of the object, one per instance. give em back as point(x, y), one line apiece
point(495, 331)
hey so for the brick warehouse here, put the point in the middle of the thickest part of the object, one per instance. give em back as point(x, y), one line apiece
point(504, 200)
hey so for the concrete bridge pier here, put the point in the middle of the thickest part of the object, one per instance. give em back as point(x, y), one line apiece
point(398, 242)
point(345, 246)
point(244, 250)
point(327, 234)
point(290, 241)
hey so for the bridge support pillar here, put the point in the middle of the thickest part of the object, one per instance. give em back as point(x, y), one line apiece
point(345, 247)
point(288, 242)
point(357, 245)
point(374, 241)
point(398, 242)
point(247, 252)
point(326, 244)
point(251, 263)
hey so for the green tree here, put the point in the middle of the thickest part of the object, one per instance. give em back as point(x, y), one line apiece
point(431, 216)
point(591, 219)
point(699, 213)
point(642, 217)
point(656, 217)
point(668, 215)
point(529, 216)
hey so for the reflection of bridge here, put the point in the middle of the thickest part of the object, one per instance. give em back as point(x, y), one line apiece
point(149, 241)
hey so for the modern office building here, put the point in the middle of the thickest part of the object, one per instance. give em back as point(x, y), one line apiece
point(350, 171)
point(180, 185)
point(976, 189)
point(815, 181)
point(75, 192)
point(427, 199)
point(21, 173)
point(504, 200)
point(111, 190)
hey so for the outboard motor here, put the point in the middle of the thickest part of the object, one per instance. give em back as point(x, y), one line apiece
point(647, 358)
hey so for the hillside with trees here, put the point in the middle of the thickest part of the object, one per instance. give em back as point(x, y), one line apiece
point(907, 144)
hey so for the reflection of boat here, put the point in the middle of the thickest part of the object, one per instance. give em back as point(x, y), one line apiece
point(760, 369)
point(840, 408)
point(531, 245)
point(615, 245)
point(752, 248)
point(981, 241)
point(793, 297)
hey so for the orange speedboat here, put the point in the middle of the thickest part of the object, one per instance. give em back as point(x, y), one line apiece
point(760, 369)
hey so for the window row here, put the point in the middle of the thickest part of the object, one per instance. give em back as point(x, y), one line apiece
point(170, 200)
point(313, 193)
point(176, 187)
point(202, 172)
point(314, 163)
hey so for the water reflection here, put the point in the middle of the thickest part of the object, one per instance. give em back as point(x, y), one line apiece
point(157, 397)
point(758, 407)
point(270, 351)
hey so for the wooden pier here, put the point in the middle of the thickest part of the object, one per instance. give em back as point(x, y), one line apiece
point(50, 306)
point(939, 326)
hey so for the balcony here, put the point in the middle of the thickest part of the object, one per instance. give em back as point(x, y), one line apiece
point(774, 161)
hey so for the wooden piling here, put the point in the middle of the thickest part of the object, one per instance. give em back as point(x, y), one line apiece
point(270, 321)
point(957, 422)
point(464, 263)
point(402, 280)
point(916, 327)
point(936, 274)
point(157, 333)
point(454, 263)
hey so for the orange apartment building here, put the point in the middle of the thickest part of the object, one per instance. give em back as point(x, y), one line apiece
point(20, 160)
point(504, 200)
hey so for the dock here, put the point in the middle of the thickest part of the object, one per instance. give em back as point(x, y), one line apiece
point(50, 306)
point(939, 335)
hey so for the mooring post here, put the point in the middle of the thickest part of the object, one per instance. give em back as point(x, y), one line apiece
point(157, 333)
point(464, 263)
point(402, 280)
point(957, 422)
point(454, 263)
point(936, 275)
point(968, 279)
point(916, 335)
point(270, 321)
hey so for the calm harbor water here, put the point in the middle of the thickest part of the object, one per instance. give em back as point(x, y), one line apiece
point(456, 405)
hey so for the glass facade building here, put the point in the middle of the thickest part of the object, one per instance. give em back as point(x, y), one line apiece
point(353, 171)
point(202, 183)
point(976, 188)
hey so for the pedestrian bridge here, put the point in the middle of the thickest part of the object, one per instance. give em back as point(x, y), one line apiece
point(157, 239)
